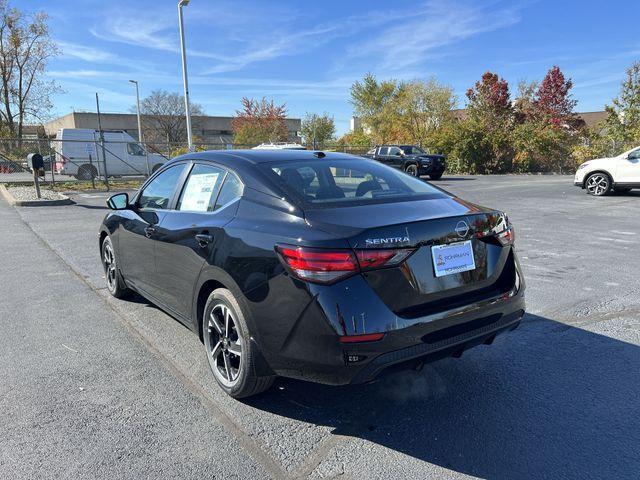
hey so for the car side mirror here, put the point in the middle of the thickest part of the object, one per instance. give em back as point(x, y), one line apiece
point(119, 201)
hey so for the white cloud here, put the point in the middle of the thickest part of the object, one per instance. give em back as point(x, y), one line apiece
point(86, 53)
point(434, 25)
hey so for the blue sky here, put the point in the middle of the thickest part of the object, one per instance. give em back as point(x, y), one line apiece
point(307, 54)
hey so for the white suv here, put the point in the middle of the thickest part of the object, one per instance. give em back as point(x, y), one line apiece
point(601, 175)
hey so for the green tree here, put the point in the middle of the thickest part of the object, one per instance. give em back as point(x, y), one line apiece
point(318, 129)
point(357, 141)
point(259, 121)
point(423, 108)
point(25, 49)
point(623, 123)
point(374, 103)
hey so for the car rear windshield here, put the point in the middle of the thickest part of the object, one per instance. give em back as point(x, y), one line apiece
point(322, 183)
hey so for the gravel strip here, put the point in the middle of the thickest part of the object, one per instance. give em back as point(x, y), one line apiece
point(29, 193)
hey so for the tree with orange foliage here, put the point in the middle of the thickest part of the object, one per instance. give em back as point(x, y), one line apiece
point(259, 121)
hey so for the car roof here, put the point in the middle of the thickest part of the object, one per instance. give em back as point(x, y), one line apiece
point(235, 158)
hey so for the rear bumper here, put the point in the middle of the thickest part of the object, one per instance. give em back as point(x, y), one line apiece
point(488, 328)
point(313, 351)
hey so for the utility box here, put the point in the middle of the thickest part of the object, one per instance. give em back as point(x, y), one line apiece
point(35, 162)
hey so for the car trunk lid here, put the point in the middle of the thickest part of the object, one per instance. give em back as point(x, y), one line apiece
point(412, 288)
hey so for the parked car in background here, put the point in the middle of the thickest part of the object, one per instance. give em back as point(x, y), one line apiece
point(602, 175)
point(279, 146)
point(410, 159)
point(79, 153)
point(331, 280)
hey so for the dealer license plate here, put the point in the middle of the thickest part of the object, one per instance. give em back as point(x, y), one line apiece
point(453, 258)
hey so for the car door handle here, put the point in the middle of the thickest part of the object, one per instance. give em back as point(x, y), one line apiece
point(204, 239)
point(149, 231)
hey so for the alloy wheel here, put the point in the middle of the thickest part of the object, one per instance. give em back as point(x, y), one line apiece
point(412, 170)
point(109, 263)
point(597, 184)
point(224, 345)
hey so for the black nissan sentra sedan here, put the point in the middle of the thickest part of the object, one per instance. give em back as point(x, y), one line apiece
point(322, 267)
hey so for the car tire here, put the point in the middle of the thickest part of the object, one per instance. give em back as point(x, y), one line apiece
point(412, 169)
point(86, 172)
point(435, 176)
point(230, 352)
point(598, 184)
point(115, 283)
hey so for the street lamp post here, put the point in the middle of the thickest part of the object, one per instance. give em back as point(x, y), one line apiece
point(140, 141)
point(184, 3)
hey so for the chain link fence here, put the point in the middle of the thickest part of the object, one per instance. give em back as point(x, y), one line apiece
point(92, 163)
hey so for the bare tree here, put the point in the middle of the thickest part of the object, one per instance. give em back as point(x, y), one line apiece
point(25, 49)
point(164, 116)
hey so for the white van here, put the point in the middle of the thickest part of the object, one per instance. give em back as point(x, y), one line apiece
point(79, 153)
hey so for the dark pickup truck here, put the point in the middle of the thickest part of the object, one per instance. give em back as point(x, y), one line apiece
point(409, 158)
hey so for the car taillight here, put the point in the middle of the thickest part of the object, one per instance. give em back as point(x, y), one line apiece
point(507, 236)
point(371, 259)
point(321, 265)
point(318, 265)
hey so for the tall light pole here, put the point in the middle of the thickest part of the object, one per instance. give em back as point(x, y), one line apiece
point(184, 3)
point(135, 82)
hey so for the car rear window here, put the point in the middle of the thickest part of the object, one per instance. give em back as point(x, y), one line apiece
point(345, 182)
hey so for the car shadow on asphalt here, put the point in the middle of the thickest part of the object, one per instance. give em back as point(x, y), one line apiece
point(546, 401)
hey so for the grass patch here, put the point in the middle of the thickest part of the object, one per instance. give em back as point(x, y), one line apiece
point(114, 185)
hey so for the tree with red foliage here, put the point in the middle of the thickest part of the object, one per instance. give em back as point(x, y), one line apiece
point(554, 101)
point(490, 99)
point(259, 121)
point(484, 143)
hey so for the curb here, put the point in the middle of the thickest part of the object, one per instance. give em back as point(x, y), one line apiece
point(4, 193)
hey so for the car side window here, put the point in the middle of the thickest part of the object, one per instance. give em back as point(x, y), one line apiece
point(393, 151)
point(157, 194)
point(371, 152)
point(384, 151)
point(201, 188)
point(231, 189)
point(634, 155)
point(135, 149)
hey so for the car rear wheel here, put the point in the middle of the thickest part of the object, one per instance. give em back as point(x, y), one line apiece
point(435, 176)
point(115, 284)
point(412, 169)
point(230, 352)
point(598, 184)
point(86, 172)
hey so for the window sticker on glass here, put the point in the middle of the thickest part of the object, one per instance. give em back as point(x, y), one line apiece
point(198, 191)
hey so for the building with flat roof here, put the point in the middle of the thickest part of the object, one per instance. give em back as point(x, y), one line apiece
point(207, 129)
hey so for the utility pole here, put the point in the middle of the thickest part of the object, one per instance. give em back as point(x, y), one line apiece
point(140, 141)
point(104, 152)
point(184, 3)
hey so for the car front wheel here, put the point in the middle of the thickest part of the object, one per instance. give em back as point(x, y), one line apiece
point(598, 184)
point(230, 352)
point(115, 284)
point(412, 169)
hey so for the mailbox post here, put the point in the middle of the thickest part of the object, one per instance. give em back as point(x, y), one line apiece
point(36, 164)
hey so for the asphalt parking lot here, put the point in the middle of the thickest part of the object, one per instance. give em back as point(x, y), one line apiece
point(94, 387)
